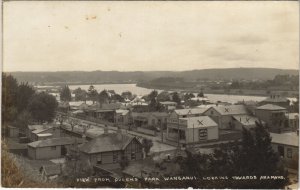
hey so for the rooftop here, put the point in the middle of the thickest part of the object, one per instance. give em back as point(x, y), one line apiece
point(231, 109)
point(270, 107)
point(107, 142)
point(190, 111)
point(246, 120)
point(291, 138)
point(168, 103)
point(198, 122)
point(122, 112)
point(276, 98)
point(53, 142)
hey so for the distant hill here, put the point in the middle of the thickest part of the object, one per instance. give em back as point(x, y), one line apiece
point(84, 77)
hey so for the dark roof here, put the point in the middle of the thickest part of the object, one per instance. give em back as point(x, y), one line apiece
point(148, 114)
point(190, 111)
point(51, 170)
point(107, 142)
point(231, 109)
point(53, 142)
point(270, 107)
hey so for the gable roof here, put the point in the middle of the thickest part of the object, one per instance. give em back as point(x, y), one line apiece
point(37, 131)
point(190, 111)
point(230, 109)
point(246, 120)
point(53, 142)
point(270, 107)
point(199, 122)
point(291, 138)
point(106, 143)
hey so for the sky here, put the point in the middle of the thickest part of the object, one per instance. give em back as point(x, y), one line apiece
point(145, 36)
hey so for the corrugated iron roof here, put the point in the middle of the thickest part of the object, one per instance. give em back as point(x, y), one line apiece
point(270, 107)
point(291, 138)
point(199, 122)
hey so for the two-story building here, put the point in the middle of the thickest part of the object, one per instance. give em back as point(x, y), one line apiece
point(274, 116)
point(191, 130)
point(276, 99)
point(222, 115)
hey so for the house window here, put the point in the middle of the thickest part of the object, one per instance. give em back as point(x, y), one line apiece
point(289, 153)
point(115, 157)
point(53, 147)
point(202, 134)
point(133, 156)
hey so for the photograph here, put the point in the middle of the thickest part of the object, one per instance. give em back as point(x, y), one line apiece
point(150, 94)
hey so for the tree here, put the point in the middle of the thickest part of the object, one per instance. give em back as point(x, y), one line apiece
point(24, 94)
point(65, 94)
point(176, 98)
point(127, 95)
point(163, 96)
point(80, 95)
point(9, 97)
point(200, 94)
point(188, 96)
point(118, 98)
point(92, 93)
point(147, 144)
point(23, 119)
point(103, 97)
point(42, 107)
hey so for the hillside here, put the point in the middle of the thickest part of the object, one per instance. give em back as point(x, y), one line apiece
point(85, 77)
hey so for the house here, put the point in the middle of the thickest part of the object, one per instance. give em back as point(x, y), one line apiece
point(112, 148)
point(44, 133)
point(50, 148)
point(192, 130)
point(287, 146)
point(32, 130)
point(50, 172)
point(123, 117)
point(293, 119)
point(276, 100)
point(168, 105)
point(149, 119)
point(244, 121)
point(274, 116)
point(222, 115)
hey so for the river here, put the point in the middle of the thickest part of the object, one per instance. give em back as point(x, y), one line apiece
point(119, 88)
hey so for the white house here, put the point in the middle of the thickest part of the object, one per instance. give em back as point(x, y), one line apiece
point(192, 130)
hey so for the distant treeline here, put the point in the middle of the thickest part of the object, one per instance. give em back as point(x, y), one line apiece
point(84, 77)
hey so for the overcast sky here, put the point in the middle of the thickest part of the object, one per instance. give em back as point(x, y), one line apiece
point(143, 36)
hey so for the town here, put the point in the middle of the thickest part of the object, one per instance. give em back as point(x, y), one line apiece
point(86, 138)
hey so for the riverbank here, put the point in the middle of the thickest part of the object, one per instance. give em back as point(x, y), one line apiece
point(246, 92)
